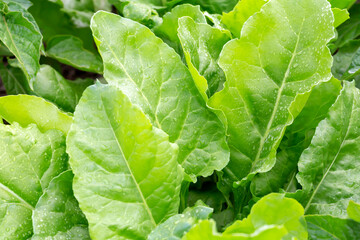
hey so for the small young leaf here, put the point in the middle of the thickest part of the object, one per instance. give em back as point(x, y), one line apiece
point(168, 30)
point(69, 50)
point(202, 45)
point(235, 19)
point(177, 226)
point(26, 109)
point(340, 16)
point(272, 217)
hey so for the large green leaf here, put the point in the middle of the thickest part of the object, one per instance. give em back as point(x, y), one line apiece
point(272, 217)
point(21, 35)
point(152, 75)
point(26, 109)
point(297, 138)
point(29, 162)
point(169, 28)
point(266, 70)
point(177, 226)
point(244, 9)
point(328, 169)
point(69, 50)
point(202, 45)
point(50, 85)
point(331, 228)
point(127, 179)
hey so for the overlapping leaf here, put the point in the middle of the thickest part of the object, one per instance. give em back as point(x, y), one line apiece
point(297, 138)
point(152, 75)
point(266, 69)
point(26, 109)
point(328, 169)
point(127, 179)
point(69, 50)
point(244, 9)
point(50, 85)
point(202, 45)
point(272, 217)
point(30, 162)
point(21, 35)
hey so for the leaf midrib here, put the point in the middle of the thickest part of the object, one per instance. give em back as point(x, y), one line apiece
point(273, 114)
point(23, 201)
point(128, 75)
point(332, 163)
point(128, 167)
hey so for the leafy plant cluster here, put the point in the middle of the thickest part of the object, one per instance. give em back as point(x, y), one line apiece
point(180, 119)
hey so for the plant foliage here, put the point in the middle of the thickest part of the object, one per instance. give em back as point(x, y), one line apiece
point(180, 119)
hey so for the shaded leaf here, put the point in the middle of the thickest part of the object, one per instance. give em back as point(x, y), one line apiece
point(328, 169)
point(50, 85)
point(202, 45)
point(69, 50)
point(332, 228)
point(21, 35)
point(14, 80)
point(347, 61)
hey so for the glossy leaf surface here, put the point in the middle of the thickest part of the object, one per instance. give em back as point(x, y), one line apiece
point(29, 161)
point(26, 109)
point(152, 75)
point(127, 179)
point(262, 85)
point(177, 226)
point(244, 9)
point(328, 169)
point(21, 35)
